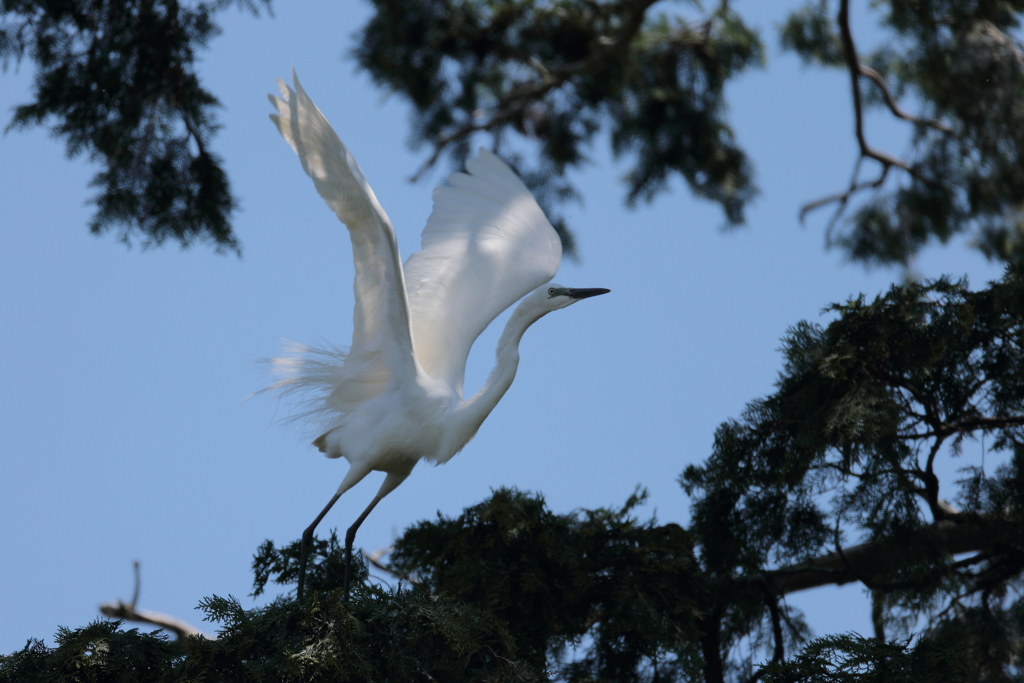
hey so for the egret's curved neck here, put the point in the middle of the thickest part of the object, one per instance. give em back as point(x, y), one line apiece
point(472, 413)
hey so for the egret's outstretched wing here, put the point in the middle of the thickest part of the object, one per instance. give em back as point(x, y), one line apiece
point(381, 341)
point(486, 244)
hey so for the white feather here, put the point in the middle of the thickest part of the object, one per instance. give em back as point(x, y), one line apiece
point(486, 244)
point(381, 341)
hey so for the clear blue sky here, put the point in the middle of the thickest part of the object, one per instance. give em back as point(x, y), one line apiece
point(124, 428)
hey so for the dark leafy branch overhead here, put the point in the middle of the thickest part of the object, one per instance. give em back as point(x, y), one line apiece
point(117, 81)
point(556, 73)
point(965, 69)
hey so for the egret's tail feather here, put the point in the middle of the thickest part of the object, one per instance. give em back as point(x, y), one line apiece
point(308, 376)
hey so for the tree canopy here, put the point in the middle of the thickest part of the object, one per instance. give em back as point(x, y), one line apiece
point(118, 82)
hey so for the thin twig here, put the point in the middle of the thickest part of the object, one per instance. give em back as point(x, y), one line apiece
point(771, 600)
point(849, 567)
point(842, 197)
point(876, 77)
point(856, 69)
point(138, 583)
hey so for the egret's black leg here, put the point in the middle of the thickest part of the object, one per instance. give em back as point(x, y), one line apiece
point(307, 541)
point(350, 537)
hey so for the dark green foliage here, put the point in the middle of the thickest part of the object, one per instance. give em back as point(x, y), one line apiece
point(871, 399)
point(854, 659)
point(811, 33)
point(117, 81)
point(849, 444)
point(963, 65)
point(670, 110)
point(991, 636)
point(632, 587)
point(525, 586)
point(557, 72)
point(325, 569)
point(835, 477)
point(100, 652)
point(379, 635)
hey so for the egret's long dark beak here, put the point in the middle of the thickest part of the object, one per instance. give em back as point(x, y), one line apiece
point(586, 293)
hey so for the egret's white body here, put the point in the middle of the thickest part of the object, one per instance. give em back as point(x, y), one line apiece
point(424, 418)
point(396, 396)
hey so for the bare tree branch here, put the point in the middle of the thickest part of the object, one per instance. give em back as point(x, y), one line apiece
point(970, 424)
point(843, 197)
point(876, 77)
point(127, 611)
point(376, 558)
point(878, 614)
point(856, 70)
point(850, 55)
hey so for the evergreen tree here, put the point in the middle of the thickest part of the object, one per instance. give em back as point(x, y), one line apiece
point(556, 73)
point(116, 79)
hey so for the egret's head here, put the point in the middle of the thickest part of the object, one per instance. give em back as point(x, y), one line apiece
point(552, 296)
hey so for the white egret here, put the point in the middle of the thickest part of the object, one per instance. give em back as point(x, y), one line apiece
point(396, 396)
